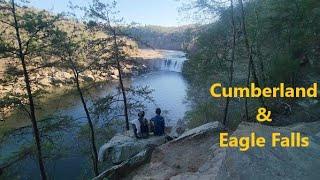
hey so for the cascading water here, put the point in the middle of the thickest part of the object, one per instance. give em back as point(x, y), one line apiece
point(173, 62)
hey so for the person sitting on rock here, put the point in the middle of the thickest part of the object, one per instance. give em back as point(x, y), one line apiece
point(136, 128)
point(158, 124)
point(140, 126)
point(144, 125)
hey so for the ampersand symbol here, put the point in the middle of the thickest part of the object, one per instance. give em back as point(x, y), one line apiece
point(263, 115)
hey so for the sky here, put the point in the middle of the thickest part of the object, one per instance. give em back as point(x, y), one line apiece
point(144, 12)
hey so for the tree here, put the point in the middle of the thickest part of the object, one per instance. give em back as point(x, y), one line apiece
point(80, 51)
point(102, 12)
point(220, 50)
point(26, 36)
point(251, 64)
point(231, 69)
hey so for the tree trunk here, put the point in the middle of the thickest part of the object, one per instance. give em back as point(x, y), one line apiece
point(246, 99)
point(258, 45)
point(251, 64)
point(84, 104)
point(30, 96)
point(116, 49)
point(232, 62)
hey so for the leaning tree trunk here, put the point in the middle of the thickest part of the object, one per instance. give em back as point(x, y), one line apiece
point(29, 93)
point(92, 134)
point(124, 95)
point(251, 65)
point(231, 70)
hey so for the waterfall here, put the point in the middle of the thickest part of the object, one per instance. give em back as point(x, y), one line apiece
point(173, 62)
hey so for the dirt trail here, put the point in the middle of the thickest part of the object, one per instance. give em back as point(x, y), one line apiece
point(178, 157)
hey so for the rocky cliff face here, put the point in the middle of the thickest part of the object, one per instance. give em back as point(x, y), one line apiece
point(56, 77)
point(48, 77)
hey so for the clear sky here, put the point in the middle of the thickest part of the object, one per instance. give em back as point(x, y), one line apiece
point(154, 12)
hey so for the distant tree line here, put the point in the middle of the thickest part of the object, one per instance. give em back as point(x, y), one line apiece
point(159, 37)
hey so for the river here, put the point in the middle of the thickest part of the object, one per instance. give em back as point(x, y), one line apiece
point(169, 93)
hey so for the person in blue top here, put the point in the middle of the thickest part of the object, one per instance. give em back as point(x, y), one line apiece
point(158, 123)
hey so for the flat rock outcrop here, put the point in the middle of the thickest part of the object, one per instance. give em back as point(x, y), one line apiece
point(200, 157)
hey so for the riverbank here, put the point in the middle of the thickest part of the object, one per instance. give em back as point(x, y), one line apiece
point(56, 80)
point(49, 77)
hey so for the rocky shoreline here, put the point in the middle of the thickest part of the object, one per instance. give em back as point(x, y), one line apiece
point(54, 77)
point(48, 78)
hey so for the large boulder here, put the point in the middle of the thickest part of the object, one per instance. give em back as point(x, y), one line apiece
point(114, 76)
point(119, 171)
point(126, 70)
point(19, 90)
point(209, 127)
point(67, 75)
point(114, 71)
point(121, 148)
point(46, 81)
point(88, 77)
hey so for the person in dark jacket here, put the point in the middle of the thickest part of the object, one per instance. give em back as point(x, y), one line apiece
point(158, 123)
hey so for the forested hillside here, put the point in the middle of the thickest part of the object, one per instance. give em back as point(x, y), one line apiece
point(171, 38)
point(47, 63)
point(266, 42)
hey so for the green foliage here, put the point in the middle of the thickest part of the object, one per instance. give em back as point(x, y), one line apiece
point(283, 68)
point(284, 36)
point(108, 109)
point(202, 114)
point(174, 38)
